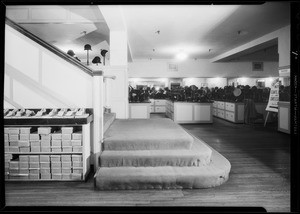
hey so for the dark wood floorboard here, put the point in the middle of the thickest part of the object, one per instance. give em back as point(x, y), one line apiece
point(260, 176)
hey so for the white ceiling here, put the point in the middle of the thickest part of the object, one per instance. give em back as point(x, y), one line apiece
point(193, 29)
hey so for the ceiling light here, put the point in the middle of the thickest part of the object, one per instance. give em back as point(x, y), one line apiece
point(181, 56)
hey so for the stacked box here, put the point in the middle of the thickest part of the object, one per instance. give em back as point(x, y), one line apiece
point(25, 130)
point(13, 130)
point(45, 143)
point(55, 149)
point(56, 135)
point(44, 130)
point(13, 137)
point(76, 176)
point(66, 136)
point(24, 137)
point(56, 146)
point(45, 149)
point(14, 149)
point(6, 130)
point(14, 143)
point(56, 176)
point(24, 146)
point(24, 165)
point(77, 136)
point(66, 143)
point(66, 176)
point(34, 136)
point(7, 159)
point(67, 130)
point(34, 166)
point(77, 149)
point(5, 137)
point(46, 137)
point(67, 148)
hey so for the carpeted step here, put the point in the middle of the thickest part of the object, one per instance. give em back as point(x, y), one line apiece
point(108, 119)
point(164, 177)
point(199, 154)
point(146, 134)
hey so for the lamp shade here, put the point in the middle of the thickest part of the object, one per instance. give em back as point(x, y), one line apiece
point(87, 47)
point(96, 60)
point(71, 52)
point(103, 52)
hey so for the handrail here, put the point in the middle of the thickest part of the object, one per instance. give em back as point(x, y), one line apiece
point(52, 48)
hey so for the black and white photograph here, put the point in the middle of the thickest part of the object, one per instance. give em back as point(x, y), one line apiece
point(172, 107)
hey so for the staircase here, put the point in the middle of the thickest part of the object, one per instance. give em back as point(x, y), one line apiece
point(157, 154)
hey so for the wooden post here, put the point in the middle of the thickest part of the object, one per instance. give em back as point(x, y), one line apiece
point(98, 116)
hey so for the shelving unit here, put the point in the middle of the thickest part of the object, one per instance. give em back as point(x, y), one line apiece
point(54, 135)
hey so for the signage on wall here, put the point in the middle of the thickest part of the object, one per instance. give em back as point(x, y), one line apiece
point(257, 66)
point(274, 96)
point(284, 72)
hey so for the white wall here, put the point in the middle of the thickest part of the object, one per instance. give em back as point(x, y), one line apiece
point(37, 78)
point(201, 68)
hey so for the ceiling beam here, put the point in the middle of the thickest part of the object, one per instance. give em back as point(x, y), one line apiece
point(264, 41)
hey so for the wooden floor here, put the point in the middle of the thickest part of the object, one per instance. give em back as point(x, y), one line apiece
point(260, 176)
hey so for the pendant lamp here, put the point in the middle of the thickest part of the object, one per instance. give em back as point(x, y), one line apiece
point(96, 60)
point(103, 53)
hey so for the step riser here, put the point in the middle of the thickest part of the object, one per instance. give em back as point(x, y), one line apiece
point(109, 161)
point(145, 145)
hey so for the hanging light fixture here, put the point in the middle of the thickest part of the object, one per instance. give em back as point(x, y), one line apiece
point(87, 48)
point(96, 60)
point(103, 53)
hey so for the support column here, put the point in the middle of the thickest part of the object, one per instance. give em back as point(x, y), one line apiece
point(98, 116)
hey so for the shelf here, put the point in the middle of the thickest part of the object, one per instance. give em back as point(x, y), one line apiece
point(43, 153)
point(46, 121)
point(22, 180)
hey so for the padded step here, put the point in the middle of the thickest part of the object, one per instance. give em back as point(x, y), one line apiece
point(200, 154)
point(164, 177)
point(146, 134)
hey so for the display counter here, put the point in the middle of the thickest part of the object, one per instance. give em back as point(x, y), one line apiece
point(188, 112)
point(139, 110)
point(284, 117)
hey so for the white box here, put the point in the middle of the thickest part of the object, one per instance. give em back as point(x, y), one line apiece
point(55, 158)
point(66, 130)
point(35, 143)
point(56, 176)
point(45, 176)
point(14, 164)
point(55, 170)
point(77, 148)
point(66, 170)
point(6, 143)
point(77, 170)
point(6, 149)
point(44, 130)
point(45, 143)
point(24, 137)
point(34, 136)
point(45, 149)
point(13, 130)
point(13, 137)
point(44, 165)
point(7, 157)
point(34, 176)
point(76, 142)
point(46, 137)
point(6, 130)
point(56, 135)
point(34, 171)
point(76, 176)
point(25, 149)
point(13, 149)
point(25, 130)
point(34, 158)
point(23, 158)
point(44, 158)
point(66, 136)
point(35, 149)
point(77, 158)
point(45, 171)
point(77, 164)
point(24, 165)
point(66, 176)
point(66, 143)
point(77, 136)
point(56, 143)
point(5, 137)
point(34, 165)
point(13, 171)
point(56, 149)
point(24, 171)
point(66, 164)
point(24, 143)
point(66, 158)
point(55, 165)
point(14, 143)
point(67, 148)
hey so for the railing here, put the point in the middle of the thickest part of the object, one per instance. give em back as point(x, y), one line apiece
point(52, 48)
